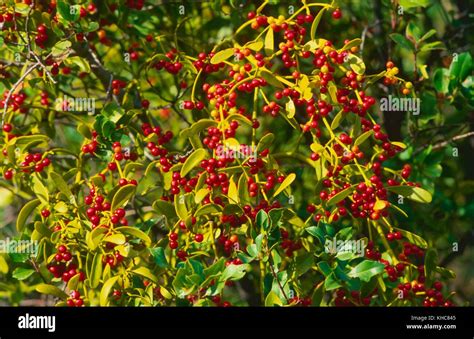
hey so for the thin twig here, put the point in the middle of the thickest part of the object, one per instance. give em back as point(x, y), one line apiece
point(20, 80)
point(445, 142)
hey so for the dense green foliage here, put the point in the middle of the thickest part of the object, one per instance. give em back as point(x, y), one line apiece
point(219, 154)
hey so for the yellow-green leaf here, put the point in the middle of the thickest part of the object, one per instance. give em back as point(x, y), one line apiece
point(105, 291)
point(40, 190)
point(222, 55)
point(25, 212)
point(51, 290)
point(122, 196)
point(340, 196)
point(117, 238)
point(63, 187)
point(273, 299)
point(356, 64)
point(96, 270)
point(201, 194)
point(380, 205)
point(413, 193)
point(232, 192)
point(193, 160)
point(287, 182)
point(363, 137)
point(350, 44)
point(337, 120)
point(145, 272)
point(269, 42)
point(180, 206)
point(315, 23)
point(290, 108)
point(135, 232)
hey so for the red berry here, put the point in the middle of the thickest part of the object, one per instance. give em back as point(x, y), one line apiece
point(7, 128)
point(337, 14)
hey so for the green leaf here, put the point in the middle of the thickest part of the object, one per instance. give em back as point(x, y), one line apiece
point(431, 258)
point(165, 207)
point(180, 206)
point(63, 186)
point(193, 160)
point(21, 273)
point(287, 182)
point(25, 212)
point(356, 64)
point(350, 44)
point(61, 48)
point(3, 265)
point(82, 63)
point(40, 190)
point(304, 263)
point(159, 256)
point(269, 42)
point(366, 270)
point(402, 41)
point(232, 193)
point(428, 35)
point(340, 196)
point(441, 80)
point(318, 295)
point(201, 194)
point(412, 32)
point(407, 4)
point(135, 232)
point(413, 193)
point(315, 24)
point(145, 272)
point(222, 55)
point(290, 108)
point(233, 272)
point(265, 142)
point(27, 141)
point(432, 46)
point(273, 299)
point(118, 239)
point(316, 232)
point(67, 12)
point(51, 290)
point(262, 220)
point(105, 291)
point(413, 238)
point(331, 282)
point(445, 272)
point(96, 270)
point(73, 282)
point(254, 46)
point(122, 196)
point(337, 120)
point(363, 137)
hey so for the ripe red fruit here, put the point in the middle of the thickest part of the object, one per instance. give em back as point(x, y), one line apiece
point(8, 174)
point(337, 14)
point(145, 103)
point(7, 128)
point(198, 237)
point(45, 213)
